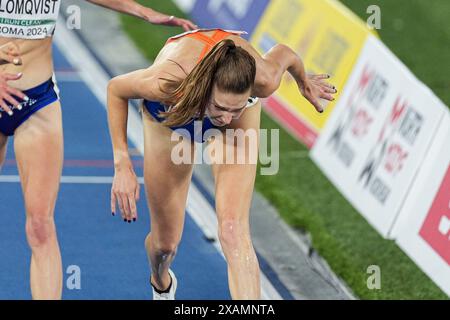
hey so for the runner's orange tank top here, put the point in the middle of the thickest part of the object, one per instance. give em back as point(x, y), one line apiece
point(209, 41)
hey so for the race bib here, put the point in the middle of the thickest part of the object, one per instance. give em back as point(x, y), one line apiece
point(28, 19)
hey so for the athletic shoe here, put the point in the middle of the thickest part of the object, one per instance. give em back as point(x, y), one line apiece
point(170, 295)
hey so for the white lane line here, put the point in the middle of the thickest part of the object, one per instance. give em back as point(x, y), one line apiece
point(70, 179)
point(97, 80)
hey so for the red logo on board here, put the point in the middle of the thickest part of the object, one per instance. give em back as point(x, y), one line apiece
point(436, 228)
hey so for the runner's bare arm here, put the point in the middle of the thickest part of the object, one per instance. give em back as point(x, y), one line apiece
point(125, 188)
point(140, 84)
point(135, 9)
point(271, 67)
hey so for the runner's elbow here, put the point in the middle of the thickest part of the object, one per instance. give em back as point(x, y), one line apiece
point(112, 86)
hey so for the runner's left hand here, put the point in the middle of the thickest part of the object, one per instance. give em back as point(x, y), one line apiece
point(314, 88)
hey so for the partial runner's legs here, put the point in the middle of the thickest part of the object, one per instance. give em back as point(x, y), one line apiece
point(234, 184)
point(167, 186)
point(38, 145)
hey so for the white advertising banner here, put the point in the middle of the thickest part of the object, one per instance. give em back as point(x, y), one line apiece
point(423, 228)
point(378, 135)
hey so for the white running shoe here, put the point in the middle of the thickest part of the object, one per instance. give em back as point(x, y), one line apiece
point(169, 295)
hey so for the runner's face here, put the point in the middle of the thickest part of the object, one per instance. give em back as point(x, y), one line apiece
point(225, 106)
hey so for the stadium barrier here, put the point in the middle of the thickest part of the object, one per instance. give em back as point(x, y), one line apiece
point(376, 144)
point(423, 229)
point(376, 140)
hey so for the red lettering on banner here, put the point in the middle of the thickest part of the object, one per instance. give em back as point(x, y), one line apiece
point(436, 228)
point(395, 158)
point(366, 76)
point(397, 110)
point(396, 113)
point(361, 123)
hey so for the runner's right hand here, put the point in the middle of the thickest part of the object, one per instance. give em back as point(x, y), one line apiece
point(125, 192)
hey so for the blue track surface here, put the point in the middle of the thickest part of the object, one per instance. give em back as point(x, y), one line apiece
point(109, 252)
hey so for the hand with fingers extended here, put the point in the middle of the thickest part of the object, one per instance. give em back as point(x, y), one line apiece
point(125, 192)
point(9, 53)
point(314, 87)
point(8, 101)
point(162, 19)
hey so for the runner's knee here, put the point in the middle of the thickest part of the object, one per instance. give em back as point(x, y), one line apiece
point(163, 246)
point(231, 234)
point(39, 229)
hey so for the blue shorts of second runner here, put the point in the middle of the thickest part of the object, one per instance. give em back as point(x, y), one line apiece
point(195, 130)
point(39, 97)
